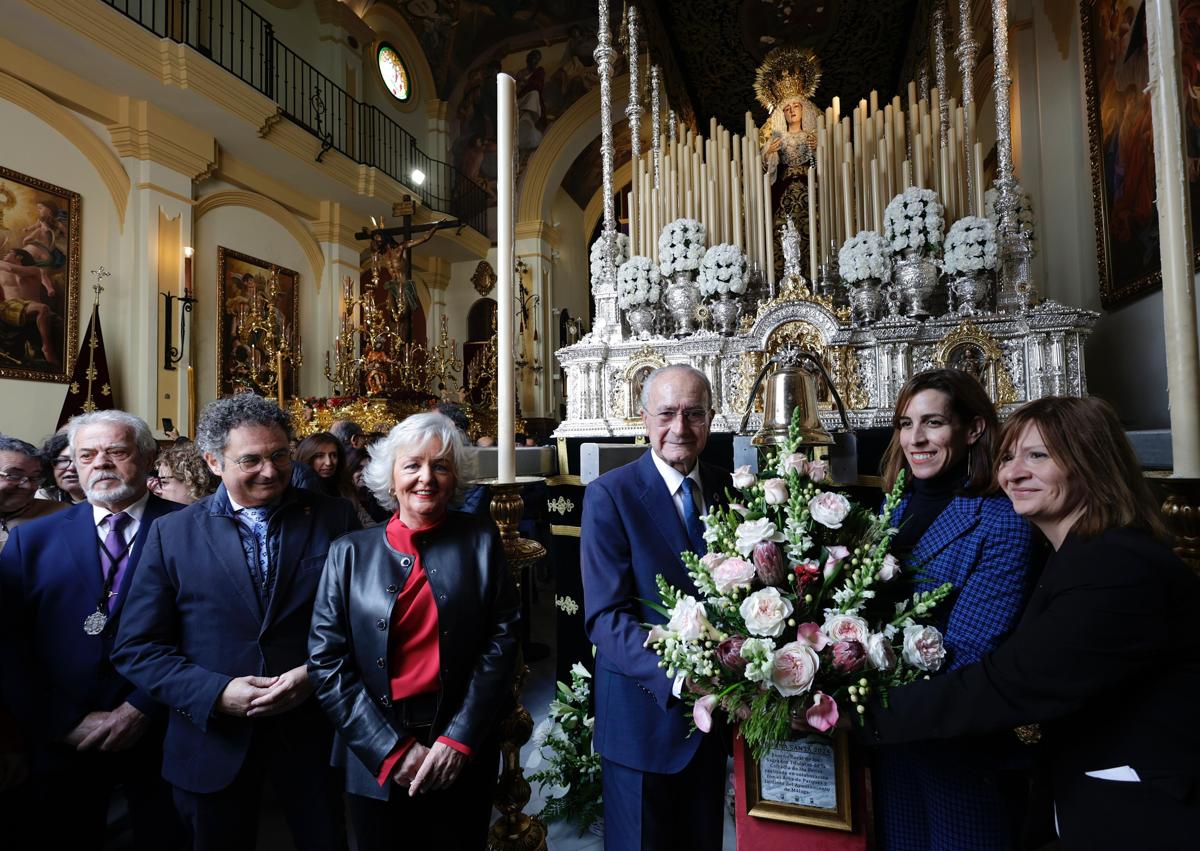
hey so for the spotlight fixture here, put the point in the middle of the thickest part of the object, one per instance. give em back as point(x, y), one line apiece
point(418, 176)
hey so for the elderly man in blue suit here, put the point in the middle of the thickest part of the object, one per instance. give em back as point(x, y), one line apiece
point(663, 787)
point(216, 628)
point(64, 583)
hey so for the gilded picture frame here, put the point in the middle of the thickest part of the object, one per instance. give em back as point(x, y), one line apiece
point(762, 802)
point(1116, 74)
point(39, 278)
point(242, 280)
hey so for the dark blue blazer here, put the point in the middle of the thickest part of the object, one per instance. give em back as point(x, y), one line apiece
point(984, 548)
point(632, 532)
point(193, 622)
point(50, 580)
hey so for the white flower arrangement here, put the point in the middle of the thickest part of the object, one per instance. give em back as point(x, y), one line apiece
point(1026, 221)
point(723, 270)
point(865, 255)
point(914, 219)
point(680, 246)
point(637, 282)
point(785, 620)
point(970, 246)
point(621, 249)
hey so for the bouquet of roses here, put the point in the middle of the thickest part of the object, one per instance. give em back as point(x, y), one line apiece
point(970, 246)
point(788, 623)
point(620, 250)
point(863, 256)
point(723, 270)
point(680, 246)
point(914, 219)
point(637, 282)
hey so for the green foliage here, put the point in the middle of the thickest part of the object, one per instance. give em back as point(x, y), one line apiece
point(564, 741)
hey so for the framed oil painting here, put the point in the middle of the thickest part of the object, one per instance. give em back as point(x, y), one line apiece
point(1117, 71)
point(256, 302)
point(39, 278)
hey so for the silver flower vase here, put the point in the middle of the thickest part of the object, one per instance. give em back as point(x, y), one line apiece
point(971, 292)
point(681, 298)
point(641, 321)
point(865, 301)
point(916, 277)
point(726, 310)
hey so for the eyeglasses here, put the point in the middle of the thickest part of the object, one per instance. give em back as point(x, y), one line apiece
point(692, 416)
point(62, 462)
point(113, 453)
point(253, 463)
point(20, 479)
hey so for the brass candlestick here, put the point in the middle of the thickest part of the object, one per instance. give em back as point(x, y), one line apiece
point(1181, 511)
point(514, 830)
point(271, 342)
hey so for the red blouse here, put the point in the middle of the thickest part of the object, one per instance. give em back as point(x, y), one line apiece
point(413, 653)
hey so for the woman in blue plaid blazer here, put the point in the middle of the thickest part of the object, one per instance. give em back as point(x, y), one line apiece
point(953, 795)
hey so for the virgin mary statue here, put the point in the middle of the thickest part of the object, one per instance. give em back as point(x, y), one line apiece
point(784, 84)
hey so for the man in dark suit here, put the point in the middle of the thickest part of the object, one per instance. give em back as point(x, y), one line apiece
point(663, 788)
point(64, 580)
point(216, 628)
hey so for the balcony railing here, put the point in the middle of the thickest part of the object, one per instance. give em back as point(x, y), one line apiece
point(243, 42)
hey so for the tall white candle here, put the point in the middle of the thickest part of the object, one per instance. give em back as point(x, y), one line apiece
point(814, 243)
point(736, 206)
point(506, 399)
point(769, 234)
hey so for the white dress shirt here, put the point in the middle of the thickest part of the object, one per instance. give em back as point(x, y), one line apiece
point(100, 515)
point(674, 480)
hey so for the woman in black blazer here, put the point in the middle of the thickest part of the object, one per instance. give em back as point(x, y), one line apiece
point(1105, 661)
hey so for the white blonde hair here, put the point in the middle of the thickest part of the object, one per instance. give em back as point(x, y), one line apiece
point(414, 433)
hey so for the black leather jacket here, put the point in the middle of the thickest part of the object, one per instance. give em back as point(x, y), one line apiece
point(478, 612)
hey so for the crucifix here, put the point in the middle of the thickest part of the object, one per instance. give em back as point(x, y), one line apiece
point(398, 255)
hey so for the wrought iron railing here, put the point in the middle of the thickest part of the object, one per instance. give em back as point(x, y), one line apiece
point(243, 42)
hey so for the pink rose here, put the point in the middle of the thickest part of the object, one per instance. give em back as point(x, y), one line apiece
point(880, 654)
point(711, 561)
point(729, 653)
point(829, 509)
point(766, 612)
point(811, 634)
point(890, 568)
point(847, 628)
point(689, 620)
point(923, 647)
point(702, 712)
point(822, 716)
point(796, 461)
point(768, 559)
point(775, 491)
point(836, 554)
point(818, 471)
point(733, 573)
point(848, 656)
point(793, 668)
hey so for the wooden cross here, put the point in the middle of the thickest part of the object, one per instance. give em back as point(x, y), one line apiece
point(384, 238)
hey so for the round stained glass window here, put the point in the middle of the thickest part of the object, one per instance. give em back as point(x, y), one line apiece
point(394, 72)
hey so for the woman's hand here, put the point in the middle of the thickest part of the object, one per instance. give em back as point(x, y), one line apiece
point(439, 770)
point(410, 764)
point(773, 145)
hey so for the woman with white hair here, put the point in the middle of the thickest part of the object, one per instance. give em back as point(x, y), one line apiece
point(413, 641)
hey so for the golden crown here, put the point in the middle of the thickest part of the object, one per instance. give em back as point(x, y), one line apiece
point(787, 73)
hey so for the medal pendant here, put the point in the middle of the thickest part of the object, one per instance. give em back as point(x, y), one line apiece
point(94, 623)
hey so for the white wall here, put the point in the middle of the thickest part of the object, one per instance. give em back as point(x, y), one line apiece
point(572, 285)
point(30, 408)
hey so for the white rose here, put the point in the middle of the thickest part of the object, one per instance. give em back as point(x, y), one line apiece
point(766, 612)
point(846, 628)
point(794, 667)
point(890, 568)
point(711, 560)
point(829, 509)
point(752, 532)
point(743, 478)
point(775, 491)
point(733, 573)
point(880, 654)
point(818, 470)
point(796, 461)
point(923, 647)
point(689, 620)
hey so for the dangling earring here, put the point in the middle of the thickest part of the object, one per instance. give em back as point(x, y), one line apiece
point(969, 454)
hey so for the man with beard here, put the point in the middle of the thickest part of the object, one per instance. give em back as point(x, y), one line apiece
point(63, 583)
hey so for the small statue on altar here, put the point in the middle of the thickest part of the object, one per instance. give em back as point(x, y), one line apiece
point(784, 84)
